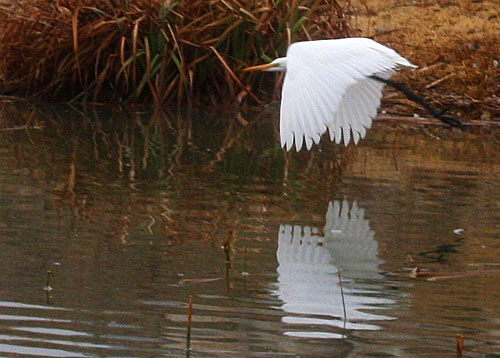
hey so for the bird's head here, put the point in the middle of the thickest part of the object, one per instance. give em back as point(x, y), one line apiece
point(277, 65)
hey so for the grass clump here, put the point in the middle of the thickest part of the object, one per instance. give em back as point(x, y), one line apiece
point(95, 50)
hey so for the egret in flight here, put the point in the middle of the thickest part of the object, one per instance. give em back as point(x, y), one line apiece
point(335, 86)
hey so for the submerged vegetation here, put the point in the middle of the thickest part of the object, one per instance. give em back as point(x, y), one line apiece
point(95, 50)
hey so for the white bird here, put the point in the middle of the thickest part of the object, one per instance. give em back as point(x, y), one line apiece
point(328, 86)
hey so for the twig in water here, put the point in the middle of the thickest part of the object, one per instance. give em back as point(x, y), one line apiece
point(446, 275)
point(342, 294)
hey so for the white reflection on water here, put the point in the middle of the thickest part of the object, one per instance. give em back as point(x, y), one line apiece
point(308, 282)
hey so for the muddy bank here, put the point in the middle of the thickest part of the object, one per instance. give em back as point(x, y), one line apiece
point(454, 43)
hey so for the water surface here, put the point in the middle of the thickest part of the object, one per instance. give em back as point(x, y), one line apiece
point(129, 210)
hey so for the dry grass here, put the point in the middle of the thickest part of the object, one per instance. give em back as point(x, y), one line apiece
point(166, 51)
point(149, 49)
point(455, 43)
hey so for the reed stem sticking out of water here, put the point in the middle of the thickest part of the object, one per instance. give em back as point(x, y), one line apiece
point(227, 248)
point(227, 253)
point(189, 320)
point(47, 287)
point(50, 274)
point(460, 345)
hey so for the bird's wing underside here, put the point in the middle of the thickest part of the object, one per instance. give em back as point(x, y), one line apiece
point(327, 87)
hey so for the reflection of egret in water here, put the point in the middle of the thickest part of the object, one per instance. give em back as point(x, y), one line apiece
point(308, 283)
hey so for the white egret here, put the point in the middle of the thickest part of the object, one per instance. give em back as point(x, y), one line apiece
point(333, 85)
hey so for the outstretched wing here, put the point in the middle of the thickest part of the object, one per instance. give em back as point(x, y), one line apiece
point(327, 87)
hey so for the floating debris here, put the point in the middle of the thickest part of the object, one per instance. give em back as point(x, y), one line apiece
point(198, 280)
point(445, 275)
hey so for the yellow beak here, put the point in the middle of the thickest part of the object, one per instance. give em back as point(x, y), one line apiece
point(260, 67)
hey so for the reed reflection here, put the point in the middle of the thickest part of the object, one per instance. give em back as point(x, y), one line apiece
point(308, 281)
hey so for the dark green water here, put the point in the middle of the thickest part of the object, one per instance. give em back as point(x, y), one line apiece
point(129, 210)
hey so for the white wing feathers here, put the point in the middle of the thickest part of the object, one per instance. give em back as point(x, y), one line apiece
point(327, 87)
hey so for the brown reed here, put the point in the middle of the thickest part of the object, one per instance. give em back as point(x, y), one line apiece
point(98, 50)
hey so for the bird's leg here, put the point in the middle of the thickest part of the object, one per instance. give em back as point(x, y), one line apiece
point(444, 110)
point(412, 96)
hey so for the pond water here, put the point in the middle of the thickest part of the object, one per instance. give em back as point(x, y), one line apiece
point(129, 211)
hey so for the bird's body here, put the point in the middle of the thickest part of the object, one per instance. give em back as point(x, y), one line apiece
point(328, 87)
